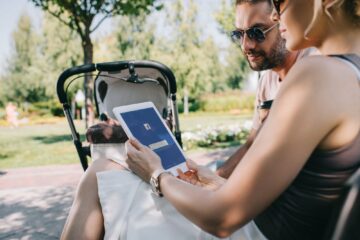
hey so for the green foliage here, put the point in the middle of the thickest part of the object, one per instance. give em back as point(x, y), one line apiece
point(194, 61)
point(228, 101)
point(37, 61)
point(79, 15)
point(237, 67)
point(60, 49)
point(39, 57)
point(21, 81)
point(194, 105)
point(46, 108)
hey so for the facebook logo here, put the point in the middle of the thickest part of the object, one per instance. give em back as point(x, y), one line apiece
point(147, 126)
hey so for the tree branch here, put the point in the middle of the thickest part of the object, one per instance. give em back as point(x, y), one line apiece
point(99, 23)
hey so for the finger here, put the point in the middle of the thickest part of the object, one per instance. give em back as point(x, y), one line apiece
point(136, 144)
point(183, 176)
point(192, 165)
point(129, 149)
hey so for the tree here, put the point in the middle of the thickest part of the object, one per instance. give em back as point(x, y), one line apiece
point(37, 59)
point(20, 82)
point(59, 49)
point(236, 67)
point(79, 15)
point(135, 37)
point(186, 49)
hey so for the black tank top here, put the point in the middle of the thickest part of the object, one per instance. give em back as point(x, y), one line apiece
point(303, 211)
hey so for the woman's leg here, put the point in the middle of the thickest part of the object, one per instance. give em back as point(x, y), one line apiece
point(85, 220)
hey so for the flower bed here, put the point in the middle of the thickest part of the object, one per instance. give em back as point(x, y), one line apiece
point(212, 136)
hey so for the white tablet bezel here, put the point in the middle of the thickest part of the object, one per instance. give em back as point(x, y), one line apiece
point(138, 106)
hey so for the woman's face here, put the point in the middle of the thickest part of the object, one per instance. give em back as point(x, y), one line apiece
point(295, 17)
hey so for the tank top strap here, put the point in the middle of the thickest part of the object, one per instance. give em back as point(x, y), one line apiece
point(353, 60)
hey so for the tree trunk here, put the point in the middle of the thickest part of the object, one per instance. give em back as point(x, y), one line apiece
point(186, 102)
point(88, 86)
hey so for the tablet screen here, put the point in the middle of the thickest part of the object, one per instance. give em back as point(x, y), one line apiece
point(146, 126)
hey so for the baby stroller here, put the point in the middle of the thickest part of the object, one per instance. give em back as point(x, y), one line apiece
point(122, 83)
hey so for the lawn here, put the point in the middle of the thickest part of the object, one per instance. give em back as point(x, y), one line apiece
point(51, 143)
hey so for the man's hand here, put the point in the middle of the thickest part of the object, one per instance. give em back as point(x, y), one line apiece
point(201, 176)
point(108, 131)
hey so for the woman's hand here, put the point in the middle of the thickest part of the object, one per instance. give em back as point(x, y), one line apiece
point(201, 176)
point(141, 159)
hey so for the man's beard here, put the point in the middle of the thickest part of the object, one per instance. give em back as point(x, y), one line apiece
point(275, 58)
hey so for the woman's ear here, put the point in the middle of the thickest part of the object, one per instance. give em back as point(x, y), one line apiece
point(322, 11)
point(331, 5)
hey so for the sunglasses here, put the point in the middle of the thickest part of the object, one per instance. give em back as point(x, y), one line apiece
point(277, 5)
point(254, 33)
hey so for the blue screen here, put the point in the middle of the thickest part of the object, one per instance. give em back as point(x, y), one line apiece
point(148, 128)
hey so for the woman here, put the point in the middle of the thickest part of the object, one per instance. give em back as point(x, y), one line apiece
point(289, 184)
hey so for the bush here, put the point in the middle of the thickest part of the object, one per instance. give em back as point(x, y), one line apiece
point(56, 109)
point(2, 114)
point(51, 107)
point(227, 101)
point(194, 105)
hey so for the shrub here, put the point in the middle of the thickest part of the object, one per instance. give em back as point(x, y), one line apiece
point(227, 101)
point(51, 107)
point(194, 105)
point(56, 109)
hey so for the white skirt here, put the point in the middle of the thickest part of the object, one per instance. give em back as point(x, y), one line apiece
point(131, 211)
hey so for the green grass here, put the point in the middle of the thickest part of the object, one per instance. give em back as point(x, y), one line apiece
point(51, 143)
point(35, 145)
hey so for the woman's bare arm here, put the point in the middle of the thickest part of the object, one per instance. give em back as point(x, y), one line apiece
point(301, 119)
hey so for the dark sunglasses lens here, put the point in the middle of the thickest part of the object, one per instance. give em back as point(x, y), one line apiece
point(236, 36)
point(256, 34)
point(277, 4)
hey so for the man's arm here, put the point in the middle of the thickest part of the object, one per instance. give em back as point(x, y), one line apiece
point(228, 167)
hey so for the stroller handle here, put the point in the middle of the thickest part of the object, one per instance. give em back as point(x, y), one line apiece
point(112, 67)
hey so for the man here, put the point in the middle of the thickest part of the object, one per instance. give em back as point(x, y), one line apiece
point(260, 40)
point(263, 47)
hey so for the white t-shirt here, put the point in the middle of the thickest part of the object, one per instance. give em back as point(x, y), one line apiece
point(269, 86)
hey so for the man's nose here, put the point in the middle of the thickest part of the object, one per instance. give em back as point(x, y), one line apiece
point(247, 43)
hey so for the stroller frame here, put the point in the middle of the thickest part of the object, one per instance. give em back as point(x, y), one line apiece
point(167, 74)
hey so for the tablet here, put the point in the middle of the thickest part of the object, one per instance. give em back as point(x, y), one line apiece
point(143, 122)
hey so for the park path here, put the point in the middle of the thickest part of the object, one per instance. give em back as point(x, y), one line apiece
point(35, 201)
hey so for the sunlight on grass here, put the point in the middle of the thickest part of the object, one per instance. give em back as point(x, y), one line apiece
point(51, 143)
point(43, 144)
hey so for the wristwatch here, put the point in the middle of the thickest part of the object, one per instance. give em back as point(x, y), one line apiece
point(154, 182)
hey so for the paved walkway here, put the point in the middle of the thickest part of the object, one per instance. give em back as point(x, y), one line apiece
point(34, 202)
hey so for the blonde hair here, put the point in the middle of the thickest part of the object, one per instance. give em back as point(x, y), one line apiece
point(350, 7)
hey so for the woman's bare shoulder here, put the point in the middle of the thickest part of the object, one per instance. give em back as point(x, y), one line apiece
point(323, 69)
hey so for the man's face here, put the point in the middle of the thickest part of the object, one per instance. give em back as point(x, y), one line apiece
point(269, 53)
